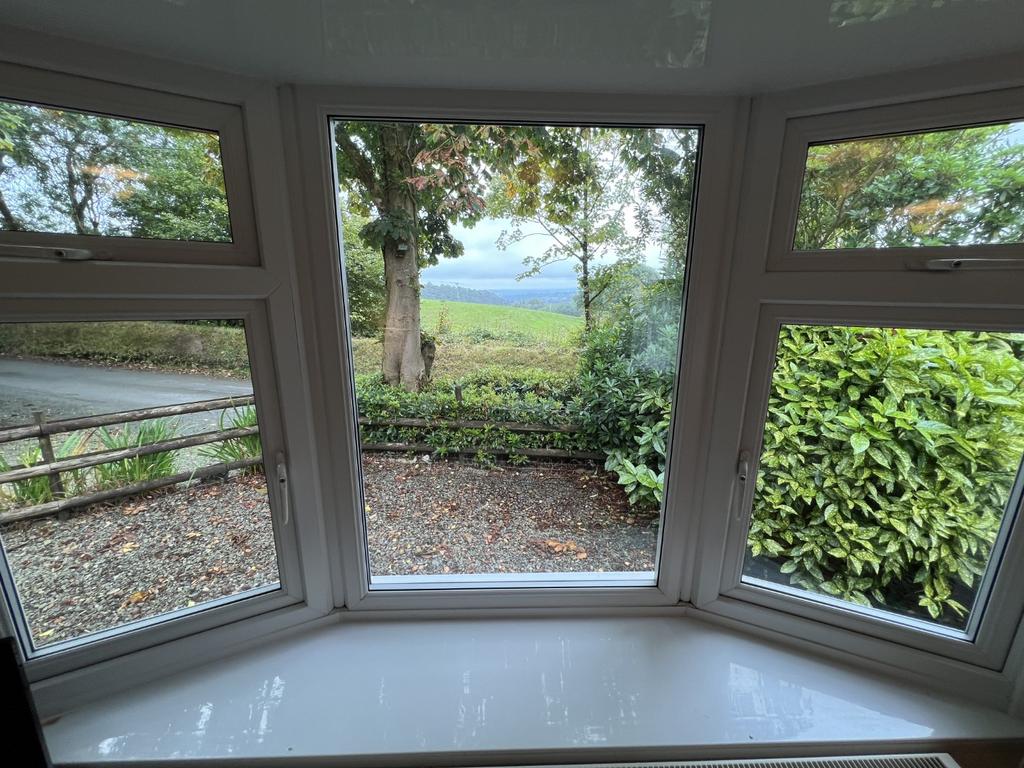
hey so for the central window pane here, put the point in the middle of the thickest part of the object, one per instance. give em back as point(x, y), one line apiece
point(514, 298)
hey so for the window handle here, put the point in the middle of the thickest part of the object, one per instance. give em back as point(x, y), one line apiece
point(282, 485)
point(957, 264)
point(44, 252)
point(742, 475)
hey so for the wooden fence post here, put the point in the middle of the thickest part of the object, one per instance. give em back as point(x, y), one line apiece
point(46, 448)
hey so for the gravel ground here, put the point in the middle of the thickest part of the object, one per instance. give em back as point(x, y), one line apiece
point(447, 517)
point(149, 555)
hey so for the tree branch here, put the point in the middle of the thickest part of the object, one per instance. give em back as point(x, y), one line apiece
point(361, 165)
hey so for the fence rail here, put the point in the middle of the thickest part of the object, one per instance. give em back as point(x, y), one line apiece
point(63, 426)
point(52, 467)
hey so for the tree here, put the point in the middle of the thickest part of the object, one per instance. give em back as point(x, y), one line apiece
point(176, 188)
point(952, 187)
point(9, 124)
point(364, 277)
point(63, 171)
point(414, 181)
point(579, 196)
point(67, 158)
point(665, 162)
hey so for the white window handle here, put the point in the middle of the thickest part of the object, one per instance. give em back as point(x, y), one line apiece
point(742, 476)
point(282, 485)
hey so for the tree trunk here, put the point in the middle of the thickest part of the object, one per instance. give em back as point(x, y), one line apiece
point(588, 314)
point(402, 363)
point(403, 357)
point(9, 221)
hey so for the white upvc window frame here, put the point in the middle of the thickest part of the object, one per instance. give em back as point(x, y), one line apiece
point(773, 284)
point(251, 278)
point(313, 109)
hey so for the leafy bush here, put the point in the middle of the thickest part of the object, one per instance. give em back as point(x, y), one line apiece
point(236, 448)
point(36, 490)
point(888, 458)
point(138, 469)
point(626, 378)
point(491, 395)
point(142, 342)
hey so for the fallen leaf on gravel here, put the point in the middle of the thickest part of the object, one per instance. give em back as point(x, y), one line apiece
point(131, 545)
point(139, 596)
point(581, 555)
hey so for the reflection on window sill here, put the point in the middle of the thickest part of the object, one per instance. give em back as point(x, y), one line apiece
point(669, 687)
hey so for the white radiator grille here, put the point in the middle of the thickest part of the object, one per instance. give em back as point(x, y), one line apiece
point(865, 761)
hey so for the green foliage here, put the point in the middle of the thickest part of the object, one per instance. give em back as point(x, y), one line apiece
point(953, 187)
point(178, 192)
point(364, 278)
point(579, 197)
point(665, 161)
point(489, 396)
point(212, 348)
point(236, 448)
point(443, 323)
point(64, 171)
point(138, 469)
point(626, 379)
point(413, 181)
point(887, 461)
point(37, 490)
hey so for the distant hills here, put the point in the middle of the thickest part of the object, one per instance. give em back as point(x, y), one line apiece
point(560, 300)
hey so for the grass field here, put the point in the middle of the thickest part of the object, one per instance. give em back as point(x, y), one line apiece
point(477, 336)
point(458, 357)
point(509, 323)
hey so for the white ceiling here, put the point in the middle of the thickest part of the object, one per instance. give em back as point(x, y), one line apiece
point(691, 46)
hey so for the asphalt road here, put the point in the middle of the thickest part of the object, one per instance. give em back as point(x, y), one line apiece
point(63, 390)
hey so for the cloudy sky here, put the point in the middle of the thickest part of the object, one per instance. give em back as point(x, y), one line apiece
point(484, 266)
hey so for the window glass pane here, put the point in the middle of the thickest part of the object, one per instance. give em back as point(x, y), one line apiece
point(78, 173)
point(889, 458)
point(514, 299)
point(160, 503)
point(963, 186)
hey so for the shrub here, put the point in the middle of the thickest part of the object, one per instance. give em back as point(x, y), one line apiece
point(491, 395)
point(236, 448)
point(888, 458)
point(36, 490)
point(140, 342)
point(626, 379)
point(138, 469)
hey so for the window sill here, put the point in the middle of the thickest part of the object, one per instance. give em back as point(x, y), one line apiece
point(396, 692)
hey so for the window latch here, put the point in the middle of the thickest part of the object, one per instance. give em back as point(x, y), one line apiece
point(960, 265)
point(282, 485)
point(45, 252)
point(742, 475)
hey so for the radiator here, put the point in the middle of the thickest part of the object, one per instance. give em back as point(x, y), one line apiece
point(932, 760)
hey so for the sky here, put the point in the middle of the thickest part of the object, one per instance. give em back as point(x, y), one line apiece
point(486, 267)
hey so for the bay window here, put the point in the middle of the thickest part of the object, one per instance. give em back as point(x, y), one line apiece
point(271, 359)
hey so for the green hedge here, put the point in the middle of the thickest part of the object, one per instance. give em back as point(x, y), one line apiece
point(494, 395)
point(164, 344)
point(887, 462)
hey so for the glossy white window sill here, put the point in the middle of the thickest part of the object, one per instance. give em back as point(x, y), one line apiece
point(361, 692)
